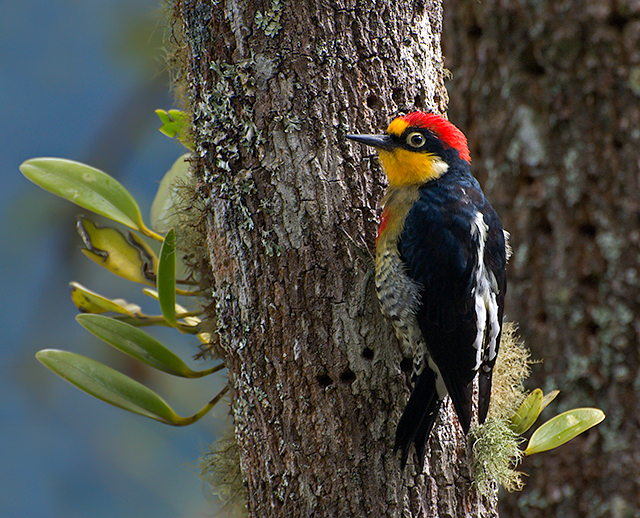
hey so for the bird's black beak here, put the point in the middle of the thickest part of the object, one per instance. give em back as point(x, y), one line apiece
point(377, 141)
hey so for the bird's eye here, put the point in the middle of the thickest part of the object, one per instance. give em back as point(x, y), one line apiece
point(415, 139)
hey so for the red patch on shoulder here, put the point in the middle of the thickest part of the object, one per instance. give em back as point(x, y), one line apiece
point(384, 221)
point(443, 129)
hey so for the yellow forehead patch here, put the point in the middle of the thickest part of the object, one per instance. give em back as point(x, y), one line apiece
point(397, 127)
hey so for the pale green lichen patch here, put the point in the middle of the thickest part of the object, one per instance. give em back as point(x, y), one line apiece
point(512, 367)
point(269, 21)
point(230, 135)
point(220, 468)
point(495, 446)
point(496, 452)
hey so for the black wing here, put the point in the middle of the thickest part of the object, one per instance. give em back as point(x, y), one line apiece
point(496, 262)
point(440, 248)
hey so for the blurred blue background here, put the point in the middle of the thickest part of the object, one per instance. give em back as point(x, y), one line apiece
point(80, 80)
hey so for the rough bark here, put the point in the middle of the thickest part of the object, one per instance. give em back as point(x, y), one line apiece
point(548, 93)
point(318, 388)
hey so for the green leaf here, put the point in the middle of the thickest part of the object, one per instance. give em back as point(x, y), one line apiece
point(175, 123)
point(140, 345)
point(163, 210)
point(143, 320)
point(166, 280)
point(192, 323)
point(89, 301)
point(130, 258)
point(108, 385)
point(191, 319)
point(85, 186)
point(528, 412)
point(563, 428)
point(548, 398)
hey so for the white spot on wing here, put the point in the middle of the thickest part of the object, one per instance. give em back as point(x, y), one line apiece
point(507, 246)
point(486, 305)
point(479, 228)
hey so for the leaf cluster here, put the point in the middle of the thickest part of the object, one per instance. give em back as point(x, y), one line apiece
point(116, 321)
point(496, 443)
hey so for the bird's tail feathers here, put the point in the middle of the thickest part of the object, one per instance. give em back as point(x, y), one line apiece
point(484, 394)
point(461, 396)
point(418, 417)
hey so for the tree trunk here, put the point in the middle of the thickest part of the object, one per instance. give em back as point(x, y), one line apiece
point(549, 95)
point(318, 388)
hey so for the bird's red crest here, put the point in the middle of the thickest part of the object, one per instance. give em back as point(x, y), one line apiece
point(442, 128)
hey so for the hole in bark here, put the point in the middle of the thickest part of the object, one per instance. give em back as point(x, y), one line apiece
point(398, 96)
point(617, 21)
point(530, 62)
point(417, 101)
point(324, 380)
point(474, 31)
point(406, 365)
point(591, 280)
point(373, 102)
point(348, 376)
point(588, 230)
point(367, 353)
point(545, 226)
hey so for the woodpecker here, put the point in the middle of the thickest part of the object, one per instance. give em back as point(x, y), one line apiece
point(441, 254)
